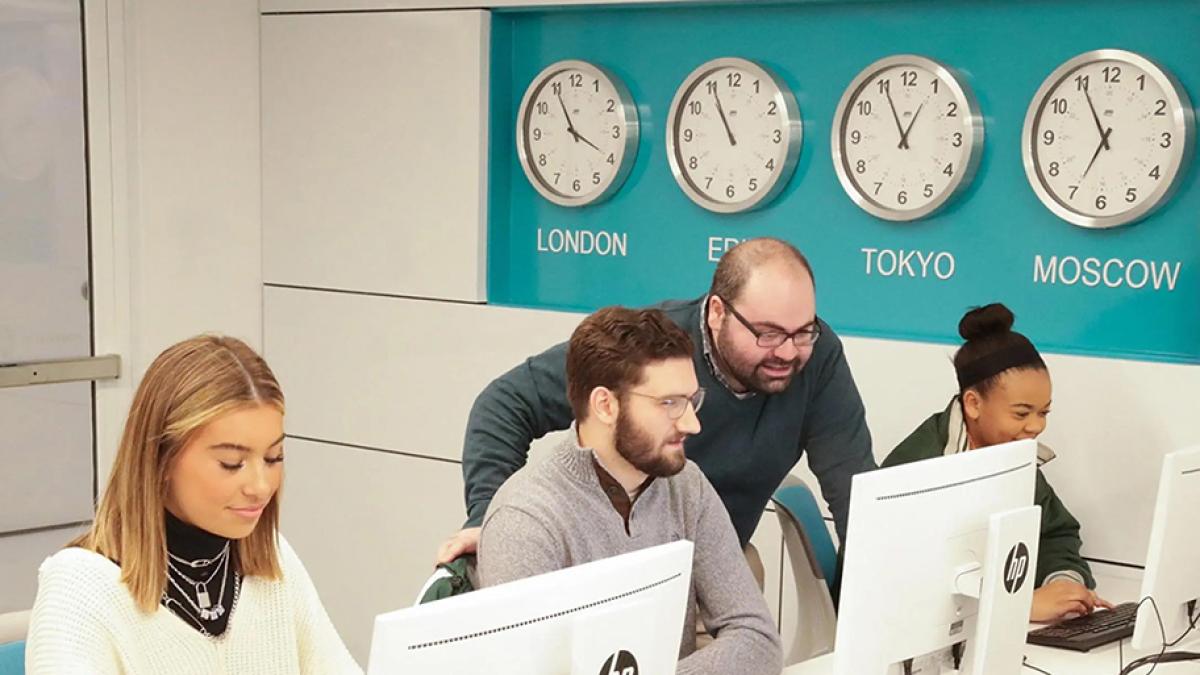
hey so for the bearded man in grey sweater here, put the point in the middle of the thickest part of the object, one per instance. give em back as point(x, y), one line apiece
point(621, 482)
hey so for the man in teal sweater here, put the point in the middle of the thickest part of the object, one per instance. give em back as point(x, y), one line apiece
point(778, 387)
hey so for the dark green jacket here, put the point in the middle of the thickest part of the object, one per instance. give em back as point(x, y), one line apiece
point(745, 446)
point(1060, 543)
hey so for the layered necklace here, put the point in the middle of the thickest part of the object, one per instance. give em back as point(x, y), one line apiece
point(202, 586)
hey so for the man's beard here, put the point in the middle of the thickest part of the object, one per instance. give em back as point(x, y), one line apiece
point(749, 373)
point(647, 456)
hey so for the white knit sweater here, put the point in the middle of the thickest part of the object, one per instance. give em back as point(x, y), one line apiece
point(84, 621)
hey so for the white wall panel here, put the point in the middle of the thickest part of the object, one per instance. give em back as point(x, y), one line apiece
point(374, 141)
point(367, 525)
point(20, 557)
point(394, 373)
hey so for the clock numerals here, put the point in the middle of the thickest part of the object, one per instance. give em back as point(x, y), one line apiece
point(577, 133)
point(733, 133)
point(903, 127)
point(1101, 140)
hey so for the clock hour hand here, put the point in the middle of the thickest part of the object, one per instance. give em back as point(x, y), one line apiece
point(580, 137)
point(904, 136)
point(899, 128)
point(721, 110)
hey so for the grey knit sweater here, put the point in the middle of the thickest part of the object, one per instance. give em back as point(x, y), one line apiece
point(554, 514)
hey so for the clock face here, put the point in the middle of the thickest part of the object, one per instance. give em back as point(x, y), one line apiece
point(1106, 137)
point(733, 134)
point(577, 133)
point(907, 137)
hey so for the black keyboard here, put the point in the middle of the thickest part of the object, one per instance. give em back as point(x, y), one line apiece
point(1083, 633)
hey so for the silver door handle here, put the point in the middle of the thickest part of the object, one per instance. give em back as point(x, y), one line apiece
point(84, 369)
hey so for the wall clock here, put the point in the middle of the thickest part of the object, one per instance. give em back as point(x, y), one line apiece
point(1106, 138)
point(907, 137)
point(733, 135)
point(577, 133)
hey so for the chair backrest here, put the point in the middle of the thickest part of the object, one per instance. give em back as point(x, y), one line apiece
point(798, 500)
point(814, 567)
point(454, 578)
point(13, 628)
point(12, 658)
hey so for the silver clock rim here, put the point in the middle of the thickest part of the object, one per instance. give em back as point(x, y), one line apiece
point(794, 134)
point(1181, 113)
point(630, 122)
point(958, 183)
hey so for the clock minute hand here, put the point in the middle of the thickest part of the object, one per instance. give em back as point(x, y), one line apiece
point(899, 128)
point(721, 110)
point(570, 126)
point(1099, 126)
point(1103, 145)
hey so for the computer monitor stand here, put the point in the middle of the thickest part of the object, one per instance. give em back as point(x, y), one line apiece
point(1004, 586)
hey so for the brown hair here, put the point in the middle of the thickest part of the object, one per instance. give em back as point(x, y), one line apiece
point(188, 385)
point(734, 268)
point(612, 346)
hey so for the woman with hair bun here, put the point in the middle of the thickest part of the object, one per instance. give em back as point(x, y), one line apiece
point(1004, 395)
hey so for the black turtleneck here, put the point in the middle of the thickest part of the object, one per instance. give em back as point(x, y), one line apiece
point(190, 543)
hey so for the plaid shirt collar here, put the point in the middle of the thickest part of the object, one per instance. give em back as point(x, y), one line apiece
point(706, 342)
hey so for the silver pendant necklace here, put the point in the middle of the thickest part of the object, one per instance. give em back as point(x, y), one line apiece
point(201, 587)
point(203, 605)
point(167, 601)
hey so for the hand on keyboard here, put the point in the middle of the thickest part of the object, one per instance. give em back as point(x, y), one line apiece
point(1063, 597)
point(1087, 632)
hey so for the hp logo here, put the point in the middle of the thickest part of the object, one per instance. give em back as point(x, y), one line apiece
point(621, 663)
point(1016, 568)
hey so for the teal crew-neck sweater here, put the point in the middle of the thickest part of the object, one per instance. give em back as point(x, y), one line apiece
point(745, 446)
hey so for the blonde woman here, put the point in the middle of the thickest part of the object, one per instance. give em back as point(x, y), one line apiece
point(183, 570)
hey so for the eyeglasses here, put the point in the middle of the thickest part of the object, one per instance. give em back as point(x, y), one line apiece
point(676, 405)
point(771, 339)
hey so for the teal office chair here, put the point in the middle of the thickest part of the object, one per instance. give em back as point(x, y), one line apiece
point(13, 627)
point(814, 568)
point(12, 658)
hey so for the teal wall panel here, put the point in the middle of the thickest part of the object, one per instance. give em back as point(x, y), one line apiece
point(994, 231)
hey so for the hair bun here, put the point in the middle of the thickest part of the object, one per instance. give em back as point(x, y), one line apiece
point(981, 322)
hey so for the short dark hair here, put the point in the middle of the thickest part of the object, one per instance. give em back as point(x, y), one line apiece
point(611, 347)
point(734, 268)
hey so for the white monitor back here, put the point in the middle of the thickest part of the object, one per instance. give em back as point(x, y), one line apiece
point(1173, 561)
point(913, 529)
point(577, 620)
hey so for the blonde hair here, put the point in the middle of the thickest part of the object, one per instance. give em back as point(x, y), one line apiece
point(188, 385)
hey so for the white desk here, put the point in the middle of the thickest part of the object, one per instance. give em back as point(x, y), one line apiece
point(1115, 585)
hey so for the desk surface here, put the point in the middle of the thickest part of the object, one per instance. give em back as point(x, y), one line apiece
point(1116, 586)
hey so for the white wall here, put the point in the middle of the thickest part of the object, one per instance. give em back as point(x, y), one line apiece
point(174, 145)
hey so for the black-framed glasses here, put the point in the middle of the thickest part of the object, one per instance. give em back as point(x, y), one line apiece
point(677, 404)
point(771, 339)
